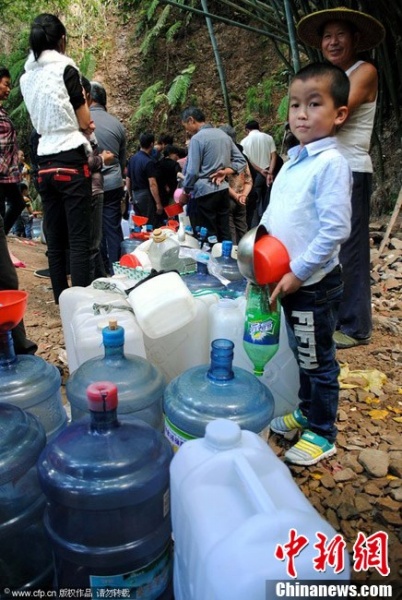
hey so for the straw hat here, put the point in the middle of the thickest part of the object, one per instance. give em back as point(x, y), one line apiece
point(371, 31)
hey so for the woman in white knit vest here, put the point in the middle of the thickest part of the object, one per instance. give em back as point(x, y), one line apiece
point(53, 94)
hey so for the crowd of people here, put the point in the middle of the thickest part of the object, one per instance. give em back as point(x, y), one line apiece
point(316, 203)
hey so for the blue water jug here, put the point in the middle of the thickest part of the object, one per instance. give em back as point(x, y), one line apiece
point(108, 513)
point(141, 384)
point(227, 265)
point(32, 384)
point(25, 553)
point(201, 282)
point(202, 394)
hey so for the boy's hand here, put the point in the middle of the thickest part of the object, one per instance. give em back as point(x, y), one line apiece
point(287, 285)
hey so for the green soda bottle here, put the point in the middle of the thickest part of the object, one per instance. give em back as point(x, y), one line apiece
point(261, 328)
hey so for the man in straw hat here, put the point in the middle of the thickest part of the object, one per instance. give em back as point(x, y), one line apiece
point(341, 34)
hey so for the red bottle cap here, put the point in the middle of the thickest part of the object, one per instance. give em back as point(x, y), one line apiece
point(102, 396)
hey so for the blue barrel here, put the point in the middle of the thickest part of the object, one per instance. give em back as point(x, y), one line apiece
point(25, 553)
point(108, 512)
point(219, 390)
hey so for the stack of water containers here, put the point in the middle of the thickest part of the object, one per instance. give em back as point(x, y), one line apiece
point(107, 483)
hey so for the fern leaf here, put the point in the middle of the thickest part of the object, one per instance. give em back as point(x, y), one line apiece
point(152, 9)
point(177, 93)
point(156, 31)
point(171, 32)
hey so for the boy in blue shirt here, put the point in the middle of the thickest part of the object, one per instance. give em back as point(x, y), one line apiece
point(310, 213)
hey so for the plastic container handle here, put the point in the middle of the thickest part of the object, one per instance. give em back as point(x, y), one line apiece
point(253, 486)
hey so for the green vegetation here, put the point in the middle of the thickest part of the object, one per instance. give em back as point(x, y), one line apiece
point(163, 28)
point(154, 102)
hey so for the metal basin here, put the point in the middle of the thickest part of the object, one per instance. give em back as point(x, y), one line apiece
point(261, 257)
point(245, 252)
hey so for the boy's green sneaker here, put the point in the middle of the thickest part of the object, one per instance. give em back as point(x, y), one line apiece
point(294, 420)
point(310, 449)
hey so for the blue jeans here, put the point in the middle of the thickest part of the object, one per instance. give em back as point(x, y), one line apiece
point(355, 317)
point(111, 225)
point(66, 200)
point(311, 314)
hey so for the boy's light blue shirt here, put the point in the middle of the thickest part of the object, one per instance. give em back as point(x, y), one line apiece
point(310, 209)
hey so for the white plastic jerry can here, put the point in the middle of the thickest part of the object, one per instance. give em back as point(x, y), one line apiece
point(235, 510)
point(84, 312)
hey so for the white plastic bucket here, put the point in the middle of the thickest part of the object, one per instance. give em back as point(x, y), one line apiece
point(162, 305)
point(233, 501)
point(186, 347)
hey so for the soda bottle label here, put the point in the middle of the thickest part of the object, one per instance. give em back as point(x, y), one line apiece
point(262, 332)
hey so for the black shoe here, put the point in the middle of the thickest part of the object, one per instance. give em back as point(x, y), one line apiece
point(43, 273)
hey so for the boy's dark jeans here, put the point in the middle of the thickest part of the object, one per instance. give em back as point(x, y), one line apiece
point(312, 313)
point(66, 201)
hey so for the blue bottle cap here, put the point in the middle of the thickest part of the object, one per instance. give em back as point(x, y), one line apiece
point(113, 335)
point(227, 247)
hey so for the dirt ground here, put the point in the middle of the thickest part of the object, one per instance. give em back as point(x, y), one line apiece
point(351, 496)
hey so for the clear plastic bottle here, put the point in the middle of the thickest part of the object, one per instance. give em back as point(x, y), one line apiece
point(202, 394)
point(262, 327)
point(164, 252)
point(181, 232)
point(108, 512)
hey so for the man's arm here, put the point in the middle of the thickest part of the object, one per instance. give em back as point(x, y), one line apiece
point(153, 186)
point(363, 86)
point(128, 186)
point(122, 151)
point(193, 165)
point(238, 162)
point(271, 168)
